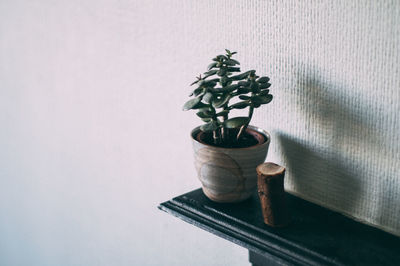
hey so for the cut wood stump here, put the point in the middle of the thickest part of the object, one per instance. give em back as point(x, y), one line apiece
point(272, 194)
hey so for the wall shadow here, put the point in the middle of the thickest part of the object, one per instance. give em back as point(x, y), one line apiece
point(331, 171)
point(342, 117)
point(319, 177)
point(326, 171)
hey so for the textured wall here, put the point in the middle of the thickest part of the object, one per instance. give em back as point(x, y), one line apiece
point(93, 137)
point(335, 120)
point(336, 115)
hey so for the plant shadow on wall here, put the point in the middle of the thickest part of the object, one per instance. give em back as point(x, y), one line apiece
point(328, 172)
point(318, 177)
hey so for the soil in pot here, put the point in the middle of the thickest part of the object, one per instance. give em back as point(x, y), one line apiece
point(249, 138)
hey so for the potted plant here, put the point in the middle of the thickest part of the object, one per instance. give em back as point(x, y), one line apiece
point(227, 150)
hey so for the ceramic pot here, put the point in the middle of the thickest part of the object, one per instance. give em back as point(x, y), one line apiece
point(229, 174)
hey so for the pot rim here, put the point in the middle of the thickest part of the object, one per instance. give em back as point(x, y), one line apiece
point(195, 131)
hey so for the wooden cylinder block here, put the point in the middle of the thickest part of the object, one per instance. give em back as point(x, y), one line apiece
point(272, 194)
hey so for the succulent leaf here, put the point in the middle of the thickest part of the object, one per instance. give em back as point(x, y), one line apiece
point(204, 114)
point(265, 85)
point(225, 81)
point(230, 62)
point(244, 97)
point(261, 99)
point(243, 90)
point(191, 103)
point(240, 105)
point(236, 122)
point(223, 113)
point(221, 72)
point(255, 87)
point(197, 92)
point(230, 88)
point(222, 57)
point(207, 97)
point(212, 65)
point(209, 84)
point(206, 119)
point(194, 82)
point(210, 126)
point(218, 103)
point(243, 75)
point(200, 105)
point(263, 80)
point(264, 92)
point(210, 73)
point(233, 69)
point(244, 83)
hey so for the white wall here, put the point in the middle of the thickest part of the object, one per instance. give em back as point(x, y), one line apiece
point(93, 137)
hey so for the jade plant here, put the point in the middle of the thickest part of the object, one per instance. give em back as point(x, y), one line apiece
point(222, 84)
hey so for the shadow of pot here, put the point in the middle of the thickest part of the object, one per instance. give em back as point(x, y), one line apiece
point(229, 174)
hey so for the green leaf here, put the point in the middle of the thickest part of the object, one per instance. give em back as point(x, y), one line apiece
point(207, 97)
point(210, 73)
point(244, 83)
point(200, 105)
point(209, 84)
point(260, 99)
point(223, 113)
point(204, 114)
point(222, 56)
point(211, 126)
point(212, 65)
point(194, 82)
point(227, 51)
point(244, 97)
point(243, 75)
point(221, 72)
point(213, 80)
point(231, 62)
point(233, 69)
point(239, 105)
point(218, 103)
point(206, 119)
point(191, 104)
point(230, 88)
point(235, 61)
point(243, 90)
point(253, 75)
point(265, 85)
point(197, 92)
point(206, 108)
point(264, 92)
point(255, 87)
point(263, 80)
point(225, 81)
point(236, 122)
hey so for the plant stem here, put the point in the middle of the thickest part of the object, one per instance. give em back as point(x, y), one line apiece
point(215, 137)
point(223, 129)
point(244, 127)
point(216, 132)
point(225, 117)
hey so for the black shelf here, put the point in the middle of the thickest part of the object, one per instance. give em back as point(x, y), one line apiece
point(315, 236)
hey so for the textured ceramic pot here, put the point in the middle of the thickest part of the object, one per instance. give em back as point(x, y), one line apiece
point(229, 174)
